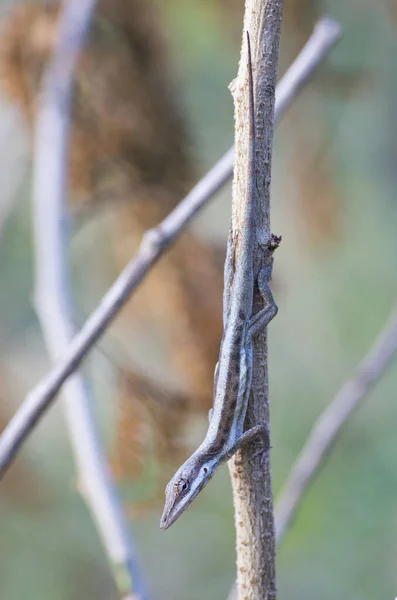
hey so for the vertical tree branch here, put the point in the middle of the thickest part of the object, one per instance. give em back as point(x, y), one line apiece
point(250, 469)
point(52, 294)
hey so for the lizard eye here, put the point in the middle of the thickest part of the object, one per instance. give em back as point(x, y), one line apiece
point(183, 485)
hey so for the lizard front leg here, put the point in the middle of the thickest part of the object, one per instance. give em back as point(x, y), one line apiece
point(266, 314)
point(258, 431)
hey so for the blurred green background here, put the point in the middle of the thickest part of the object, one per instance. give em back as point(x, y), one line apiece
point(334, 202)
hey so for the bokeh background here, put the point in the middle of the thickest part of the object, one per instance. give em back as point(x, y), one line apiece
point(334, 202)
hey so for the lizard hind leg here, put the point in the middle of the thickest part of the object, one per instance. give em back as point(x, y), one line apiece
point(266, 314)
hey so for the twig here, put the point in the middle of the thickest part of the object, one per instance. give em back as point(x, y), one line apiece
point(331, 422)
point(52, 297)
point(153, 245)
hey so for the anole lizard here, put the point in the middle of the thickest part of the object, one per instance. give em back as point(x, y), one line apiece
point(233, 373)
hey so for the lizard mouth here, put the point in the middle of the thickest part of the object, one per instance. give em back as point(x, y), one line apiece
point(167, 518)
point(164, 523)
point(170, 514)
point(174, 508)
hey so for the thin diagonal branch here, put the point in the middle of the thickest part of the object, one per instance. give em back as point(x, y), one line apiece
point(331, 422)
point(153, 245)
point(52, 294)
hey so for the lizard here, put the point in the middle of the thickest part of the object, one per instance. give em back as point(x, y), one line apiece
point(233, 372)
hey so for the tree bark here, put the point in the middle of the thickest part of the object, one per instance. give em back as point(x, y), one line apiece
point(250, 468)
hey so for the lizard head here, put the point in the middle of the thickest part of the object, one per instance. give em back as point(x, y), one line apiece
point(185, 485)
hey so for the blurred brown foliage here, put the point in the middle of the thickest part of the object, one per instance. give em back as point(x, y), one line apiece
point(129, 149)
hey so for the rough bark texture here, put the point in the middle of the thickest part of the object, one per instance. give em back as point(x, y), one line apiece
point(250, 469)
